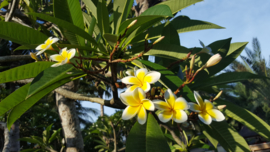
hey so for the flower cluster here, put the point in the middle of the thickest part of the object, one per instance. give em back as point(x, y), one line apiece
point(62, 58)
point(170, 109)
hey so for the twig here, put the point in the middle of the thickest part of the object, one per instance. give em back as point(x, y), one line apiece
point(176, 139)
point(85, 58)
point(181, 60)
point(11, 11)
point(114, 137)
point(13, 58)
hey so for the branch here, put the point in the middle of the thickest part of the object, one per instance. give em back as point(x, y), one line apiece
point(13, 58)
point(177, 140)
point(72, 95)
point(114, 138)
point(122, 149)
point(11, 8)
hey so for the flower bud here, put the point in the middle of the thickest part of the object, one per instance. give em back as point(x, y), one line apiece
point(121, 74)
point(218, 95)
point(158, 40)
point(153, 91)
point(33, 56)
point(221, 107)
point(146, 36)
point(131, 24)
point(192, 62)
point(215, 59)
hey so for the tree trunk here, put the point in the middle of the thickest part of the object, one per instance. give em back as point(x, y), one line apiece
point(14, 137)
point(5, 142)
point(70, 121)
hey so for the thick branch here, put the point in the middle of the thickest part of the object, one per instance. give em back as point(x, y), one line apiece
point(114, 138)
point(177, 140)
point(11, 11)
point(13, 58)
point(72, 95)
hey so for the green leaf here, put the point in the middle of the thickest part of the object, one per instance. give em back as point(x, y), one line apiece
point(68, 26)
point(171, 35)
point(4, 4)
point(168, 78)
point(111, 39)
point(21, 34)
point(92, 7)
point(50, 76)
point(27, 103)
point(247, 118)
point(47, 134)
point(176, 5)
point(24, 72)
point(70, 11)
point(69, 46)
point(120, 12)
point(228, 137)
point(29, 139)
point(102, 17)
point(163, 10)
point(225, 78)
point(155, 139)
point(185, 24)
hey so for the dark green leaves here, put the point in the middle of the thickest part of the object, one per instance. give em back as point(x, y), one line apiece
point(177, 5)
point(147, 137)
point(21, 34)
point(103, 17)
point(163, 10)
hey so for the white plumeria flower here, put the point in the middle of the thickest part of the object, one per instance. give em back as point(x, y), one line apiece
point(131, 72)
point(142, 79)
point(215, 59)
point(63, 57)
point(206, 49)
point(47, 45)
point(206, 110)
point(136, 104)
point(173, 108)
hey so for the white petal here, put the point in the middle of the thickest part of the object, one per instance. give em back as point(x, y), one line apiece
point(165, 116)
point(40, 52)
point(128, 99)
point(152, 77)
point(194, 107)
point(161, 105)
point(71, 53)
point(54, 40)
point(132, 88)
point(146, 87)
point(64, 49)
point(148, 104)
point(130, 80)
point(181, 103)
point(208, 105)
point(216, 115)
point(198, 99)
point(141, 94)
point(180, 116)
point(56, 65)
point(130, 112)
point(142, 116)
point(140, 74)
point(64, 61)
point(130, 73)
point(205, 118)
point(170, 97)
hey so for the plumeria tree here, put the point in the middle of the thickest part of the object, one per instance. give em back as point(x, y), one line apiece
point(103, 41)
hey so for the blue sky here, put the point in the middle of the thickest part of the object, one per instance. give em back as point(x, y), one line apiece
point(243, 20)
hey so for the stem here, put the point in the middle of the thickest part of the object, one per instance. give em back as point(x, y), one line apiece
point(181, 60)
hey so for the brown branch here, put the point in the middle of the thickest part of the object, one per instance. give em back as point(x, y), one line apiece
point(13, 58)
point(114, 138)
point(122, 149)
point(72, 95)
point(85, 58)
point(176, 139)
point(188, 55)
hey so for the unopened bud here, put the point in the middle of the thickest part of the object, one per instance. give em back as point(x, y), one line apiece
point(121, 74)
point(158, 40)
point(192, 62)
point(218, 95)
point(131, 24)
point(146, 36)
point(153, 91)
point(215, 59)
point(221, 107)
point(33, 56)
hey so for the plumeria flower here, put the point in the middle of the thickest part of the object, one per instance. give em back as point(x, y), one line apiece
point(206, 49)
point(215, 59)
point(173, 108)
point(142, 79)
point(206, 110)
point(63, 57)
point(47, 45)
point(136, 104)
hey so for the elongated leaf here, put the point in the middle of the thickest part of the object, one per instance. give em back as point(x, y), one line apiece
point(185, 24)
point(103, 17)
point(207, 131)
point(92, 7)
point(247, 118)
point(68, 26)
point(24, 72)
point(158, 10)
point(21, 34)
point(176, 5)
point(50, 76)
point(137, 136)
point(155, 139)
point(26, 104)
point(4, 3)
point(121, 10)
point(168, 78)
point(111, 39)
point(54, 135)
point(171, 35)
point(47, 134)
point(225, 78)
point(70, 11)
point(69, 46)
point(228, 137)
point(30, 140)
